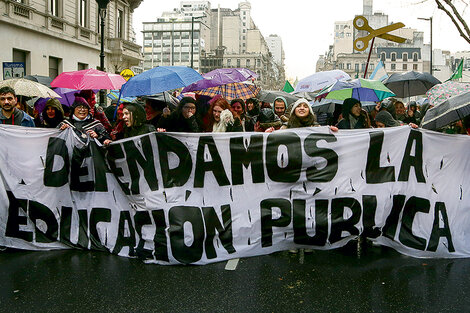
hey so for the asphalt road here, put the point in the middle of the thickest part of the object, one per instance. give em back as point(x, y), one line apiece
point(380, 280)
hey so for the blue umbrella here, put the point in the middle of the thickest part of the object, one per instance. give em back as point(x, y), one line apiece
point(114, 95)
point(159, 79)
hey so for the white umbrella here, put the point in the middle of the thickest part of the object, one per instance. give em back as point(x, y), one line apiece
point(320, 80)
point(28, 88)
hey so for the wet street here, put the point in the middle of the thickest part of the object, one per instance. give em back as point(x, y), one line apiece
point(381, 280)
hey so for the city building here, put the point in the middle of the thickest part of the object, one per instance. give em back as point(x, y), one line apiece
point(221, 37)
point(54, 36)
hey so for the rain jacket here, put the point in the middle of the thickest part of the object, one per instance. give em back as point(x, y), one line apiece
point(19, 118)
point(139, 121)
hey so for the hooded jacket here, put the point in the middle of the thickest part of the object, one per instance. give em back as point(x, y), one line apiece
point(139, 121)
point(284, 117)
point(387, 119)
point(347, 122)
point(59, 114)
point(20, 118)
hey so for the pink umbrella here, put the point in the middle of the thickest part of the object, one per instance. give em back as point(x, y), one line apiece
point(88, 79)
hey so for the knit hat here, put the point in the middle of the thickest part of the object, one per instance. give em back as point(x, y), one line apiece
point(347, 106)
point(386, 118)
point(78, 102)
point(296, 104)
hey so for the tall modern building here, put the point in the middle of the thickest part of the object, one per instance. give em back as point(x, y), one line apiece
point(64, 35)
point(221, 37)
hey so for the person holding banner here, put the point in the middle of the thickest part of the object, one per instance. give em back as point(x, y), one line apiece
point(184, 119)
point(52, 115)
point(83, 123)
point(222, 118)
point(238, 105)
point(9, 113)
point(354, 117)
point(134, 116)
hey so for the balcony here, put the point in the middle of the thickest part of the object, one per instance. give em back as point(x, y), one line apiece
point(124, 50)
point(21, 9)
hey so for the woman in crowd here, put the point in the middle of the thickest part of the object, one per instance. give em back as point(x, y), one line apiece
point(96, 111)
point(252, 108)
point(221, 118)
point(183, 119)
point(52, 115)
point(134, 117)
point(354, 117)
point(385, 119)
point(238, 105)
point(83, 123)
point(301, 115)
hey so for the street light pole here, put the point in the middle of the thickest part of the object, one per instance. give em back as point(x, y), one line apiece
point(102, 5)
point(430, 44)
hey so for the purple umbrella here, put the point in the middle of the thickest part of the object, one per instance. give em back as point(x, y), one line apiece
point(220, 77)
point(68, 96)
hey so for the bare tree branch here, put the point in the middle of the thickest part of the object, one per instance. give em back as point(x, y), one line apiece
point(464, 35)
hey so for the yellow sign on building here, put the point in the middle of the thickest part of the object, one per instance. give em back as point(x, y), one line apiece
point(127, 74)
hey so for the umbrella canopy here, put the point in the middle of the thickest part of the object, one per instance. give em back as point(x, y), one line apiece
point(451, 110)
point(410, 83)
point(320, 80)
point(44, 80)
point(67, 97)
point(166, 97)
point(270, 95)
point(28, 88)
point(306, 95)
point(441, 92)
point(114, 95)
point(159, 79)
point(232, 91)
point(367, 91)
point(88, 79)
point(222, 76)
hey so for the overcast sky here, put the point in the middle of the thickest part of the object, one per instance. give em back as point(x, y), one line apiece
point(306, 26)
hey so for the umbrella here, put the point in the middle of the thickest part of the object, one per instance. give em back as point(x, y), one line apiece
point(114, 95)
point(440, 92)
point(28, 88)
point(270, 95)
point(410, 83)
point(320, 80)
point(44, 80)
point(165, 97)
point(304, 94)
point(451, 110)
point(67, 97)
point(222, 76)
point(367, 91)
point(232, 91)
point(88, 79)
point(159, 79)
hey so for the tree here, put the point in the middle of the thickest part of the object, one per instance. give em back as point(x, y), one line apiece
point(449, 7)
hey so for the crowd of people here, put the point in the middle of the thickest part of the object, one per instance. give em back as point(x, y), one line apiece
point(196, 113)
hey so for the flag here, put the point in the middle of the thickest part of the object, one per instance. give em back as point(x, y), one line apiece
point(288, 87)
point(379, 72)
point(458, 72)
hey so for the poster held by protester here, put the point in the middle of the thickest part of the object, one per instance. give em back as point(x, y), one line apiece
point(174, 198)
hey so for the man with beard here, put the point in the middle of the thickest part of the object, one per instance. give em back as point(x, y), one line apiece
point(9, 113)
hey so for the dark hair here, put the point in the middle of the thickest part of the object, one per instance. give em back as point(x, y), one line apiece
point(155, 104)
point(7, 89)
point(238, 101)
point(138, 113)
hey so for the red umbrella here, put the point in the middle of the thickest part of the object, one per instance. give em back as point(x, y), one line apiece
point(88, 79)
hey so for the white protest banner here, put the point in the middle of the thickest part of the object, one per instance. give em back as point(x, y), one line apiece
point(174, 198)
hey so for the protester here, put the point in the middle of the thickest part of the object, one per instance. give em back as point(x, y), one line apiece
point(183, 119)
point(221, 118)
point(135, 119)
point(353, 115)
point(118, 129)
point(280, 107)
point(301, 115)
point(96, 112)
point(267, 121)
point(385, 119)
point(109, 112)
point(400, 111)
point(9, 113)
point(413, 115)
point(154, 110)
point(52, 115)
point(83, 123)
point(238, 105)
point(252, 108)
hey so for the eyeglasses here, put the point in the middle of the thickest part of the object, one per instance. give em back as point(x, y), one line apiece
point(192, 108)
point(81, 108)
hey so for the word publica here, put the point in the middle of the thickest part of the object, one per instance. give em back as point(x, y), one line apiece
point(259, 153)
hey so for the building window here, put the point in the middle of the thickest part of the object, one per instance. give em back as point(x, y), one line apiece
point(120, 24)
point(383, 56)
point(83, 13)
point(54, 64)
point(21, 56)
point(55, 7)
point(393, 66)
point(371, 66)
point(415, 67)
point(229, 62)
point(415, 57)
point(356, 67)
point(248, 63)
point(238, 62)
point(82, 66)
point(348, 66)
point(393, 56)
point(405, 67)
point(405, 57)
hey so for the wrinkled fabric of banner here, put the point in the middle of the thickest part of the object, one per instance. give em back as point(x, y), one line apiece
point(176, 198)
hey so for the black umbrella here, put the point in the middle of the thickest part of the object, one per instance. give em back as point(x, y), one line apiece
point(270, 95)
point(166, 97)
point(43, 80)
point(447, 112)
point(410, 83)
